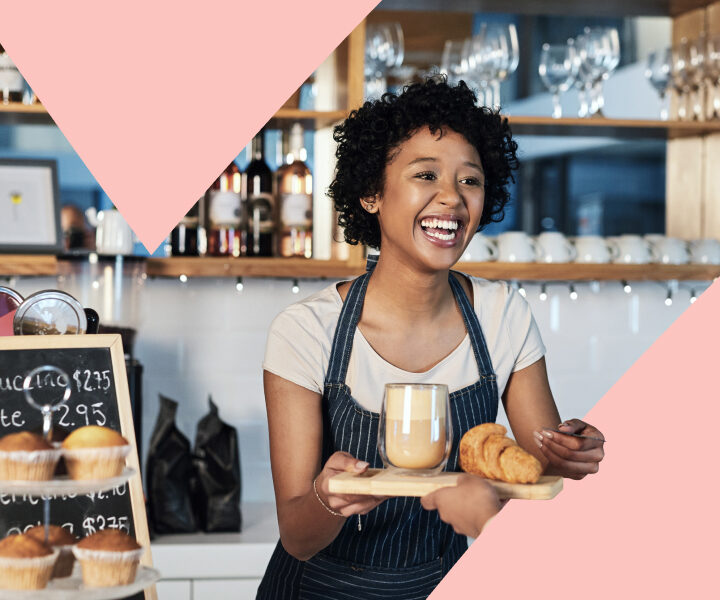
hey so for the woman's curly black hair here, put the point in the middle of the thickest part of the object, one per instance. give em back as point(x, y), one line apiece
point(369, 136)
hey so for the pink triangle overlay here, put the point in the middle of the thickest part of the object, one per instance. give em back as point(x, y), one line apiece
point(158, 97)
point(646, 526)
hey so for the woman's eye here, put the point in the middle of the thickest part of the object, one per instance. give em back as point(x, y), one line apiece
point(426, 176)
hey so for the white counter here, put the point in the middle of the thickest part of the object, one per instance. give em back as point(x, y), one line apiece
point(209, 566)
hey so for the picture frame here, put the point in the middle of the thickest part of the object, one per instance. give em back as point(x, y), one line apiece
point(29, 207)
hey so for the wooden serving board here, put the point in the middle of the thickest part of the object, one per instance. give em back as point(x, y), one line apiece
point(382, 482)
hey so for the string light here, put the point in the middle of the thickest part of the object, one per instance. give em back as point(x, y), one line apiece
point(668, 300)
point(521, 290)
point(573, 293)
point(693, 297)
point(543, 293)
point(239, 284)
point(183, 278)
point(295, 287)
point(626, 287)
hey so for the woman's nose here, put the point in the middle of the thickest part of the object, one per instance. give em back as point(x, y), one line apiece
point(449, 194)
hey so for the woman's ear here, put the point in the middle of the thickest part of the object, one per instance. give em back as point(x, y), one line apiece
point(370, 204)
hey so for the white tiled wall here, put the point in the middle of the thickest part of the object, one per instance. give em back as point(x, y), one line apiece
point(204, 337)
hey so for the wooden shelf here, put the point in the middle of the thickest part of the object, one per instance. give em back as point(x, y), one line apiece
point(310, 119)
point(332, 269)
point(291, 268)
point(614, 128)
point(28, 264)
point(250, 267)
point(589, 272)
point(521, 125)
point(19, 113)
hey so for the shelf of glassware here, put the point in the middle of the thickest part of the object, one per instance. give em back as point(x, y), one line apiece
point(28, 264)
point(298, 268)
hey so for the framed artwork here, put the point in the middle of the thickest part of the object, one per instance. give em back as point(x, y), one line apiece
point(29, 207)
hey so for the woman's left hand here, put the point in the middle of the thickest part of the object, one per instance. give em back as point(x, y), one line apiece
point(568, 455)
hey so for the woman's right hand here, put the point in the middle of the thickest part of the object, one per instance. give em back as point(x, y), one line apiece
point(345, 504)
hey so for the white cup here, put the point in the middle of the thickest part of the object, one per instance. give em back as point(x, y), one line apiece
point(630, 249)
point(480, 249)
point(591, 249)
point(516, 246)
point(667, 250)
point(113, 234)
point(705, 252)
point(554, 247)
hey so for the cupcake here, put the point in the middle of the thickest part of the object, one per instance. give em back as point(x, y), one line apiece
point(108, 557)
point(95, 452)
point(27, 456)
point(25, 563)
point(59, 539)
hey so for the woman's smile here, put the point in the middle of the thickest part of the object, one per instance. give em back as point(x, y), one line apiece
point(443, 230)
point(435, 190)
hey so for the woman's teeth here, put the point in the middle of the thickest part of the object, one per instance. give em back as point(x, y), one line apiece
point(439, 224)
point(440, 229)
point(442, 236)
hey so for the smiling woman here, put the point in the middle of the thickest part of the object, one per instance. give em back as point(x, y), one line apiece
point(417, 175)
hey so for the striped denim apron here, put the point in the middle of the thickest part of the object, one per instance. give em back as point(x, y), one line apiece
point(401, 551)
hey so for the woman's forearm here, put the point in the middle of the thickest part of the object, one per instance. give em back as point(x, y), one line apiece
point(306, 527)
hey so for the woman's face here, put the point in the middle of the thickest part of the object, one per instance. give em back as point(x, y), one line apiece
point(432, 200)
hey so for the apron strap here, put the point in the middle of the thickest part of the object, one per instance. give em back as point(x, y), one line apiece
point(472, 324)
point(346, 325)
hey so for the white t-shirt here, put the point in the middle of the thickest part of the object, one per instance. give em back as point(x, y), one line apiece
point(300, 340)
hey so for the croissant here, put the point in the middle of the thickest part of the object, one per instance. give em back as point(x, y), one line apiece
point(485, 450)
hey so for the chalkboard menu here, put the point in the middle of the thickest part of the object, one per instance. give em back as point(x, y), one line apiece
point(95, 366)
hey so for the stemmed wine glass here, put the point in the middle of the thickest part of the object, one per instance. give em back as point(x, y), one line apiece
point(599, 50)
point(384, 50)
point(457, 60)
point(496, 56)
point(682, 78)
point(658, 74)
point(712, 75)
point(698, 53)
point(558, 70)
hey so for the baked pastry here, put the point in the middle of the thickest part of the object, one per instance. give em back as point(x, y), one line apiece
point(27, 456)
point(519, 466)
point(108, 557)
point(494, 446)
point(61, 540)
point(485, 450)
point(25, 563)
point(471, 447)
point(95, 452)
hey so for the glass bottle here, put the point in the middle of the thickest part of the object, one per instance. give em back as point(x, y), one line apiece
point(184, 238)
point(12, 85)
point(294, 187)
point(226, 234)
point(260, 202)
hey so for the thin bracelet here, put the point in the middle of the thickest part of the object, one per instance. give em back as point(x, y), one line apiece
point(325, 506)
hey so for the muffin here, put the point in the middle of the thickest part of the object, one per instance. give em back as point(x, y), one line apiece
point(108, 557)
point(95, 452)
point(25, 563)
point(27, 456)
point(59, 539)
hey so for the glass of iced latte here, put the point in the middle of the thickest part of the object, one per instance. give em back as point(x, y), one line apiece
point(415, 432)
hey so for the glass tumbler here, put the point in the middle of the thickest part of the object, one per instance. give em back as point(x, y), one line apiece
point(415, 434)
